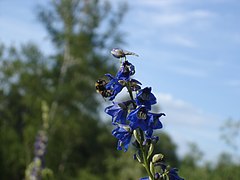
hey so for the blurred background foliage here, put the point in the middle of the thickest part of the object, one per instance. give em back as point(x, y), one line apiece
point(80, 143)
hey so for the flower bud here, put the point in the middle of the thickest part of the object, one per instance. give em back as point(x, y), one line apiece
point(157, 158)
point(137, 136)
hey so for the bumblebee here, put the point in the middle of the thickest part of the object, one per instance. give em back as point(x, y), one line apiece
point(100, 86)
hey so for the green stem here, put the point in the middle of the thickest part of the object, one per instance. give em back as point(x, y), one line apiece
point(144, 153)
point(145, 160)
point(128, 85)
point(129, 91)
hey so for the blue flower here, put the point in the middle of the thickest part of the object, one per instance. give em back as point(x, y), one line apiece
point(153, 123)
point(173, 174)
point(114, 85)
point(145, 178)
point(125, 71)
point(138, 118)
point(145, 97)
point(145, 120)
point(124, 134)
point(117, 83)
point(135, 84)
point(40, 145)
point(119, 112)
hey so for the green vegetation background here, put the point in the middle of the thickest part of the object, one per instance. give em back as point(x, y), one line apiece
point(80, 145)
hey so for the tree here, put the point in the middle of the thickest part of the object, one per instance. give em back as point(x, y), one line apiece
point(193, 157)
point(230, 134)
point(168, 148)
point(78, 140)
point(23, 81)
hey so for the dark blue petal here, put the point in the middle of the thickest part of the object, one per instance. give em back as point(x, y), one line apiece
point(154, 121)
point(119, 112)
point(148, 133)
point(145, 178)
point(114, 86)
point(126, 70)
point(124, 135)
point(136, 81)
point(135, 84)
point(145, 97)
point(173, 174)
point(138, 118)
point(110, 77)
point(116, 89)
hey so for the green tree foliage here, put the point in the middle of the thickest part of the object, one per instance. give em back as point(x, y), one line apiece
point(223, 168)
point(78, 141)
point(210, 172)
point(193, 157)
point(23, 81)
point(168, 148)
point(230, 133)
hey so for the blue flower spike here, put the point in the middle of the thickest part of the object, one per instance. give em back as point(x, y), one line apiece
point(133, 120)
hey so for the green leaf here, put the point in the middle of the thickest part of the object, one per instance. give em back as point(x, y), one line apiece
point(137, 136)
point(152, 169)
point(139, 158)
point(150, 150)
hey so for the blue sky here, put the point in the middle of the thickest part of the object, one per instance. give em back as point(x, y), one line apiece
point(189, 55)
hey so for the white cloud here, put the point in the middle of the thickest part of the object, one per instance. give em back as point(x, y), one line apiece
point(180, 40)
point(179, 111)
point(162, 3)
point(168, 19)
point(189, 71)
point(180, 17)
point(187, 123)
point(171, 12)
point(201, 14)
point(167, 3)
